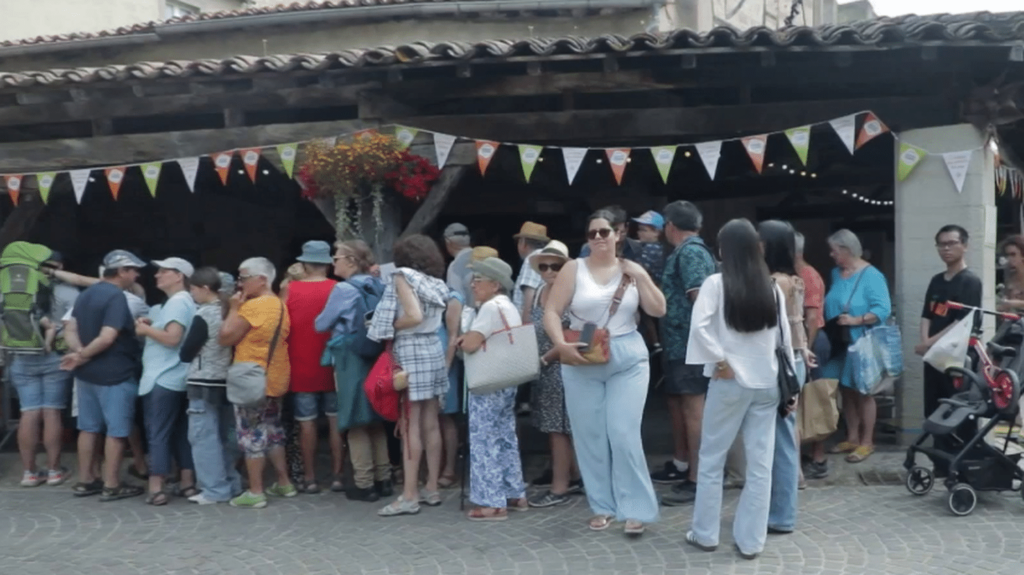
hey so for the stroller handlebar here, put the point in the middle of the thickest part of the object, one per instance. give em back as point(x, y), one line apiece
point(1003, 315)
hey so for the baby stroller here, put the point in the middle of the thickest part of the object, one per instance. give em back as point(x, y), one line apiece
point(989, 388)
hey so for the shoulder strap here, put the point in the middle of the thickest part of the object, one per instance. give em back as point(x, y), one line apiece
point(277, 334)
point(860, 274)
point(617, 298)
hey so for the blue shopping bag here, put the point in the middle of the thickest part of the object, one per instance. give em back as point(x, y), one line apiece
point(889, 347)
point(866, 363)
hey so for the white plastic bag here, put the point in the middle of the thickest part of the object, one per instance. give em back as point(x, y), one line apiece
point(951, 349)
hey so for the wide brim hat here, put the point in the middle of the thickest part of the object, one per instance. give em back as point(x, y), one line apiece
point(554, 249)
point(494, 269)
point(316, 252)
point(483, 252)
point(533, 231)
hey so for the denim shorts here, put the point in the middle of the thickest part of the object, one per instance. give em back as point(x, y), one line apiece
point(684, 379)
point(108, 409)
point(40, 382)
point(309, 406)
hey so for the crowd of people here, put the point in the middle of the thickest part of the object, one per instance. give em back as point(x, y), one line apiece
point(721, 321)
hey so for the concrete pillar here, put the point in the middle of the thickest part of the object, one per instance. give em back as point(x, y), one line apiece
point(926, 201)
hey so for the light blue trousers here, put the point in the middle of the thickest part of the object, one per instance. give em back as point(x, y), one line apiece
point(606, 407)
point(731, 409)
point(214, 450)
point(786, 467)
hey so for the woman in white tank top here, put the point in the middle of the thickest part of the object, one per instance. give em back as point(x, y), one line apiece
point(606, 401)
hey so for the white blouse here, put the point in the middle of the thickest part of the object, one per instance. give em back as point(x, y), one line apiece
point(750, 355)
point(591, 303)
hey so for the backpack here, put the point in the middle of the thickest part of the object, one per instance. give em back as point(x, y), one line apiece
point(371, 289)
point(27, 296)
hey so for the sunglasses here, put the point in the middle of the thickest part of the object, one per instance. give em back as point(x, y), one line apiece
point(545, 267)
point(603, 233)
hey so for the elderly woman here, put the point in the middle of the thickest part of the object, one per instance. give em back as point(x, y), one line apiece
point(410, 314)
point(857, 299)
point(495, 470)
point(257, 326)
point(547, 394)
point(343, 316)
point(606, 401)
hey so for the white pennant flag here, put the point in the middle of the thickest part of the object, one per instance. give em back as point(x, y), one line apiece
point(958, 163)
point(189, 167)
point(845, 127)
point(709, 153)
point(573, 160)
point(79, 179)
point(443, 146)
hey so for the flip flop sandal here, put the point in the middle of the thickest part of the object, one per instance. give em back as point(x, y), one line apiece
point(88, 489)
point(121, 492)
point(447, 482)
point(600, 522)
point(158, 499)
point(842, 447)
point(634, 527)
point(186, 492)
point(860, 454)
point(487, 514)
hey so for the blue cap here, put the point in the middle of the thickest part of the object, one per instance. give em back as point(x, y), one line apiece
point(651, 218)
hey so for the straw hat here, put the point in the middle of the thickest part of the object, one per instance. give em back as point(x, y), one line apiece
point(483, 252)
point(494, 269)
point(554, 249)
point(533, 231)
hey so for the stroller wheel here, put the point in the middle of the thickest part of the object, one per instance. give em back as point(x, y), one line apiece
point(962, 499)
point(1005, 391)
point(920, 480)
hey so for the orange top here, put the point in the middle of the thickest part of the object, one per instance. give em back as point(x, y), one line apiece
point(262, 313)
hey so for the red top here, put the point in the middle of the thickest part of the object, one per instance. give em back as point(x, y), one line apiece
point(305, 346)
point(814, 293)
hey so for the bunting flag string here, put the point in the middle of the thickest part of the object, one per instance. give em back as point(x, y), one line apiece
point(251, 159)
point(405, 136)
point(663, 157)
point(443, 144)
point(618, 158)
point(14, 187)
point(189, 167)
point(710, 153)
point(756, 147)
point(79, 179)
point(800, 139)
point(485, 150)
point(910, 156)
point(287, 153)
point(115, 177)
point(151, 173)
point(528, 156)
point(845, 128)
point(222, 163)
point(872, 128)
point(45, 184)
point(573, 158)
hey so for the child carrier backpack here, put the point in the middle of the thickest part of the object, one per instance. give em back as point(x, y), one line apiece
point(371, 289)
point(26, 296)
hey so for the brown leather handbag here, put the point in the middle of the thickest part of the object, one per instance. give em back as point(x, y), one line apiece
point(599, 351)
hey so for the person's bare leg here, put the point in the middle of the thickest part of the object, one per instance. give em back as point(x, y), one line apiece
point(28, 437)
point(796, 434)
point(307, 439)
point(868, 416)
point(113, 455)
point(677, 418)
point(562, 458)
point(280, 463)
point(818, 451)
point(450, 440)
point(53, 437)
point(138, 451)
point(851, 413)
point(412, 445)
point(337, 447)
point(254, 466)
point(97, 456)
point(86, 456)
point(431, 426)
point(693, 412)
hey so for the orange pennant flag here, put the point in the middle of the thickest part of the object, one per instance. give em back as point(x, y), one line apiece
point(756, 146)
point(872, 128)
point(13, 186)
point(222, 163)
point(484, 152)
point(618, 158)
point(251, 159)
point(115, 177)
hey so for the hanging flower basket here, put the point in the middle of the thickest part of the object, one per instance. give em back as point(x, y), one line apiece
point(371, 169)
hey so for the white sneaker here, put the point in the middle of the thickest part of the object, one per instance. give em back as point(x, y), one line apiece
point(202, 500)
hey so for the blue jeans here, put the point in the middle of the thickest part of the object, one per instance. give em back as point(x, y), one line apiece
point(40, 382)
point(166, 430)
point(786, 467)
point(606, 406)
point(107, 409)
point(214, 450)
point(308, 406)
point(728, 410)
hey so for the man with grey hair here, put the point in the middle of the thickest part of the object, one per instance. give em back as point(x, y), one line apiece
point(458, 245)
point(685, 271)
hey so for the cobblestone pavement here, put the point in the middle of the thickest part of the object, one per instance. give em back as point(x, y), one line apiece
point(844, 530)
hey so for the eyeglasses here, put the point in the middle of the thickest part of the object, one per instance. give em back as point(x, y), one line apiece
point(947, 245)
point(545, 267)
point(242, 278)
point(478, 279)
point(346, 256)
point(603, 233)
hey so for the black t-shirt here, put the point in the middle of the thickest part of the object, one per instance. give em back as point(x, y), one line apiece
point(965, 288)
point(104, 305)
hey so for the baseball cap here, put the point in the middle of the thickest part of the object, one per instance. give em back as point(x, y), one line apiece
point(122, 259)
point(651, 218)
point(176, 264)
point(456, 229)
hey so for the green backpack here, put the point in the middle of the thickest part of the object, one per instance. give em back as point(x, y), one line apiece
point(26, 296)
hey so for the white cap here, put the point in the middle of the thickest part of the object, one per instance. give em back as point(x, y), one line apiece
point(176, 264)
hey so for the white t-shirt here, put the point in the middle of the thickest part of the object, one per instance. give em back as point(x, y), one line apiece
point(489, 317)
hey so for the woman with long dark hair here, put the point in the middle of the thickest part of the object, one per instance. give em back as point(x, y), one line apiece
point(738, 319)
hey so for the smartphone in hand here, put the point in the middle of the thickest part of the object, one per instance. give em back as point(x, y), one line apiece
point(587, 336)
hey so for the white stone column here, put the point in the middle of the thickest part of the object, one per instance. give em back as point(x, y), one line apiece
point(926, 201)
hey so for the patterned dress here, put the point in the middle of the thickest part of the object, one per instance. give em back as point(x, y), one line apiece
point(547, 393)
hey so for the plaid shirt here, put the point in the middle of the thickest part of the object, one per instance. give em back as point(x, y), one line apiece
point(528, 278)
point(433, 295)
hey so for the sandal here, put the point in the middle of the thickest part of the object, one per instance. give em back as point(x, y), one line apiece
point(309, 488)
point(447, 481)
point(134, 472)
point(430, 498)
point(487, 514)
point(400, 507)
point(520, 505)
point(95, 487)
point(337, 484)
point(860, 454)
point(600, 522)
point(843, 447)
point(121, 492)
point(186, 492)
point(158, 499)
point(634, 527)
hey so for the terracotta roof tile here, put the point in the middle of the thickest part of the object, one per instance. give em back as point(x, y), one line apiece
point(906, 30)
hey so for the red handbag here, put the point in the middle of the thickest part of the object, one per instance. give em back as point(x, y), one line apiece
point(384, 384)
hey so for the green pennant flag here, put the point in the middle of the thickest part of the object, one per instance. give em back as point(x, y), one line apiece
point(910, 157)
point(45, 180)
point(529, 155)
point(405, 135)
point(663, 156)
point(151, 172)
point(287, 152)
point(800, 139)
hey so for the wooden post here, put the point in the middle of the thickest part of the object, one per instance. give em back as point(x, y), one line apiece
point(20, 222)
